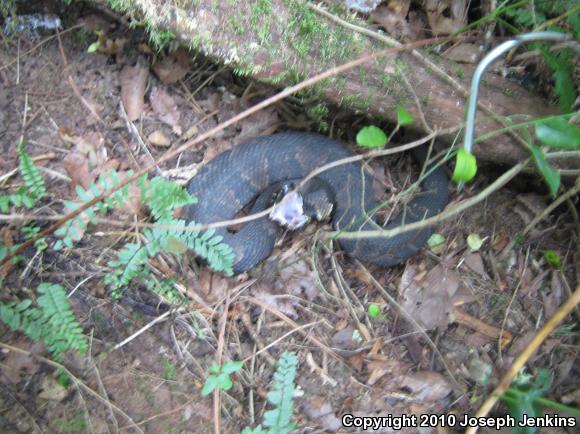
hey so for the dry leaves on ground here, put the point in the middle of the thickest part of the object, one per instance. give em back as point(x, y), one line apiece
point(133, 84)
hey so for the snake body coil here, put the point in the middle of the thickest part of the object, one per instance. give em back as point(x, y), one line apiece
point(231, 180)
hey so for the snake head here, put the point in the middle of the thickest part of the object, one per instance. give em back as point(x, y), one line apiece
point(290, 211)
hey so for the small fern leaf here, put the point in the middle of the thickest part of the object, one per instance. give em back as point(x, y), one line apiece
point(30, 174)
point(165, 196)
point(63, 332)
point(279, 419)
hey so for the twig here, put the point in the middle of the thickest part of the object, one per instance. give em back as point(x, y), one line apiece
point(281, 338)
point(76, 380)
point(141, 330)
point(423, 59)
point(409, 318)
point(519, 363)
point(458, 208)
point(233, 120)
point(13, 172)
point(295, 326)
point(219, 358)
point(562, 198)
point(72, 82)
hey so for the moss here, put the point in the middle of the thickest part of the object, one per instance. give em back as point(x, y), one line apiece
point(160, 39)
point(261, 12)
point(319, 114)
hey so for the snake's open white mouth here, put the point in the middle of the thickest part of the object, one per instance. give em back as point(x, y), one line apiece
point(289, 212)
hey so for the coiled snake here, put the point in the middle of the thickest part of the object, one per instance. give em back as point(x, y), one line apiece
point(232, 179)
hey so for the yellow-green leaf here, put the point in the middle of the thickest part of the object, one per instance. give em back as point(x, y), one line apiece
point(465, 166)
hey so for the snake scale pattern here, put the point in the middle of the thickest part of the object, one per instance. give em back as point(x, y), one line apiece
point(234, 178)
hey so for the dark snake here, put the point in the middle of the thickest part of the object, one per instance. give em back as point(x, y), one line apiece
point(234, 178)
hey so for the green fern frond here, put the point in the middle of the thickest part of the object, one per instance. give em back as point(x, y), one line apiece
point(281, 396)
point(74, 229)
point(52, 321)
point(20, 198)
point(33, 180)
point(65, 332)
point(164, 196)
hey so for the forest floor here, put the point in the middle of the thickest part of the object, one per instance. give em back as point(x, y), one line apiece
point(65, 103)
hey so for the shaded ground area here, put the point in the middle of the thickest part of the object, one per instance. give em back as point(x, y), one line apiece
point(307, 298)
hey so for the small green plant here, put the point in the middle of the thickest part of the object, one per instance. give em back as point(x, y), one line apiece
point(374, 310)
point(172, 235)
point(281, 396)
point(52, 322)
point(553, 259)
point(526, 398)
point(219, 377)
point(371, 137)
point(77, 424)
point(528, 16)
point(33, 189)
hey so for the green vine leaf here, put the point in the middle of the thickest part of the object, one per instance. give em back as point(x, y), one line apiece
point(550, 175)
point(558, 133)
point(403, 116)
point(371, 137)
point(465, 166)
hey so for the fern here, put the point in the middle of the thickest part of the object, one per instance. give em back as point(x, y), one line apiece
point(171, 236)
point(33, 189)
point(33, 180)
point(279, 419)
point(165, 289)
point(20, 198)
point(164, 196)
point(74, 229)
point(52, 321)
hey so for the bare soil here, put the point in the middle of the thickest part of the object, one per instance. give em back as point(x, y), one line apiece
point(348, 362)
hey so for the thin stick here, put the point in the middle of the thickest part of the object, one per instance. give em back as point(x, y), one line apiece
point(233, 120)
point(76, 380)
point(459, 207)
point(519, 363)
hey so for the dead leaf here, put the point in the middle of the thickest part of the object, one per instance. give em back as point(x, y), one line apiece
point(52, 389)
point(211, 286)
point(446, 16)
point(15, 365)
point(216, 148)
point(77, 167)
point(165, 108)
point(320, 411)
point(263, 123)
point(7, 236)
point(157, 138)
point(474, 262)
point(426, 386)
point(464, 53)
point(112, 47)
point(95, 23)
point(297, 279)
point(344, 339)
point(429, 301)
point(553, 299)
point(277, 302)
point(133, 84)
point(392, 16)
point(174, 67)
point(500, 241)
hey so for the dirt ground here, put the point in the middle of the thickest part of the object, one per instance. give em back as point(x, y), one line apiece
point(64, 100)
